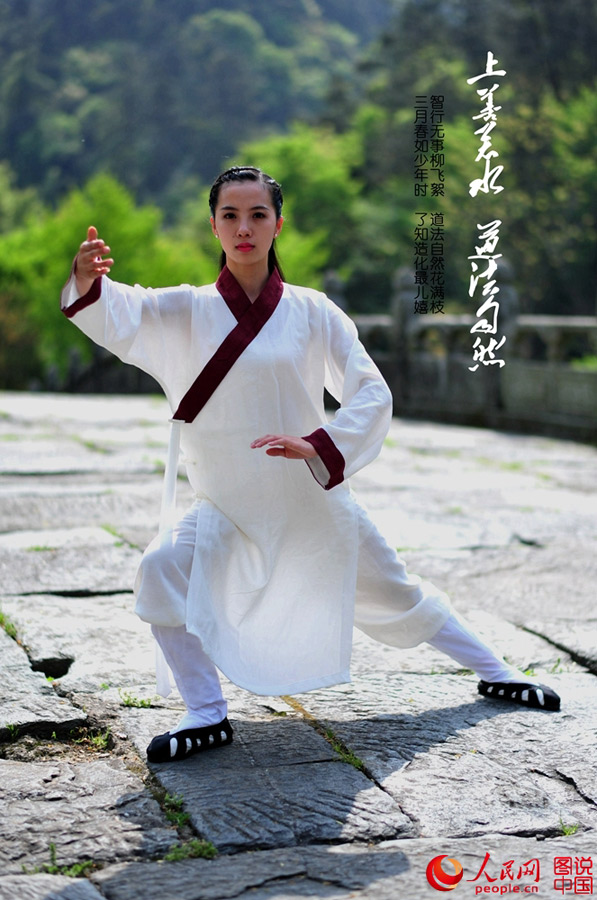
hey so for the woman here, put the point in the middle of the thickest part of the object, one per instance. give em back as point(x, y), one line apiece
point(275, 561)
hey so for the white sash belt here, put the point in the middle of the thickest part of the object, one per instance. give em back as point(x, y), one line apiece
point(167, 519)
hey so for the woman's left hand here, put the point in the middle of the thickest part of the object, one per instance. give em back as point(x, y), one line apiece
point(285, 445)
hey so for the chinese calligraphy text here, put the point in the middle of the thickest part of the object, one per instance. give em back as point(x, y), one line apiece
point(484, 260)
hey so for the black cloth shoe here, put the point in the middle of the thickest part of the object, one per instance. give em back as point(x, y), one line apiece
point(538, 696)
point(169, 747)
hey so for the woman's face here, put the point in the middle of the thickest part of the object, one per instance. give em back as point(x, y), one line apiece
point(245, 222)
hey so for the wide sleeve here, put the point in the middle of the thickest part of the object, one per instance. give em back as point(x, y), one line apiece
point(355, 435)
point(136, 324)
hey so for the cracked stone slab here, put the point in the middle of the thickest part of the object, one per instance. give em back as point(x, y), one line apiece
point(278, 784)
point(572, 636)
point(94, 810)
point(27, 701)
point(523, 583)
point(123, 504)
point(426, 740)
point(42, 435)
point(386, 871)
point(56, 538)
point(487, 518)
point(75, 567)
point(39, 454)
point(403, 529)
point(85, 641)
point(124, 438)
point(47, 887)
point(275, 807)
point(27, 503)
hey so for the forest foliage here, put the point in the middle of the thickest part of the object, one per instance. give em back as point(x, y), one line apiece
point(120, 115)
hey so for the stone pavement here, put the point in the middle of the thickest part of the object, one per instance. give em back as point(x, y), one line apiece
point(344, 792)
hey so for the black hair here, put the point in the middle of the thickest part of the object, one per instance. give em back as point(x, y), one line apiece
point(249, 173)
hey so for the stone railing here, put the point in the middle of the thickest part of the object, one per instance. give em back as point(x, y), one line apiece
point(426, 359)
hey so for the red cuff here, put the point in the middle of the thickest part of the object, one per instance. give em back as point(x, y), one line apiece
point(93, 294)
point(329, 455)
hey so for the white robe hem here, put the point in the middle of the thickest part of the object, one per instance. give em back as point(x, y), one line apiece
point(295, 687)
point(418, 626)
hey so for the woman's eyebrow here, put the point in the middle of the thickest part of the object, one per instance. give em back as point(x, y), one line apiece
point(259, 206)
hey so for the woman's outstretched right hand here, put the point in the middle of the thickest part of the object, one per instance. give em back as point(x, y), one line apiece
point(89, 263)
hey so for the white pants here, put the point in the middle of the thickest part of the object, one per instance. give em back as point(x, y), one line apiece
point(389, 602)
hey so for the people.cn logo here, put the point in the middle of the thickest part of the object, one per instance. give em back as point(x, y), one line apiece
point(441, 880)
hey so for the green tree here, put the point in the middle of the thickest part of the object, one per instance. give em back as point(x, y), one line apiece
point(16, 205)
point(34, 261)
point(158, 92)
point(545, 135)
point(315, 168)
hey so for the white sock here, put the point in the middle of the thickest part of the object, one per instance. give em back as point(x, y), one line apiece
point(461, 643)
point(198, 719)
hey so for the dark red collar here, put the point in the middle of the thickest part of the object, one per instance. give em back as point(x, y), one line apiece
point(236, 299)
point(251, 317)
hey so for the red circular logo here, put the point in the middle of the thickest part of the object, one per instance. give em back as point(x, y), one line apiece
point(441, 880)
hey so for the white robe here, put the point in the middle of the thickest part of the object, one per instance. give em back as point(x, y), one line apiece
point(272, 587)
